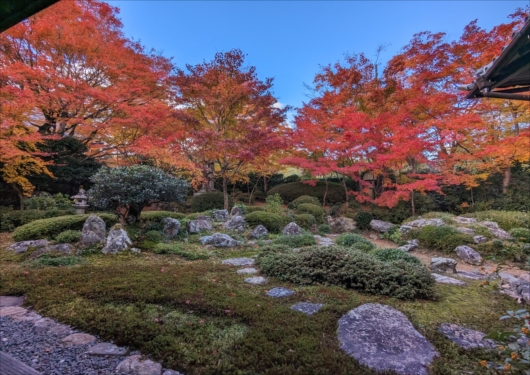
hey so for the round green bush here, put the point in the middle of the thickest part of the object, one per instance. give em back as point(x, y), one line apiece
point(389, 255)
point(363, 246)
point(363, 220)
point(213, 200)
point(304, 239)
point(324, 229)
point(158, 216)
point(350, 239)
point(68, 236)
point(154, 236)
point(521, 234)
point(352, 269)
point(305, 221)
point(289, 192)
point(444, 238)
point(303, 199)
point(312, 209)
point(273, 222)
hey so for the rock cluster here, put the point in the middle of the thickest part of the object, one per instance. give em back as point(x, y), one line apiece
point(220, 215)
point(515, 287)
point(219, 240)
point(117, 241)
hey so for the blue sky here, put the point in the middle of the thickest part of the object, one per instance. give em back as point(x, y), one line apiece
point(288, 40)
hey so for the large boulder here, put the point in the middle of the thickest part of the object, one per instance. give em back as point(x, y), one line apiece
point(94, 231)
point(117, 241)
point(219, 240)
point(196, 226)
point(380, 225)
point(468, 255)
point(419, 223)
point(292, 229)
point(466, 338)
point(220, 215)
point(341, 224)
point(62, 248)
point(465, 230)
point(410, 245)
point(236, 223)
point(170, 227)
point(464, 220)
point(444, 265)
point(236, 211)
point(23, 246)
point(382, 338)
point(259, 231)
point(501, 234)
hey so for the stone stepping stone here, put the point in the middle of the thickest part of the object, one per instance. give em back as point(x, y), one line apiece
point(239, 261)
point(280, 292)
point(382, 338)
point(256, 280)
point(79, 339)
point(12, 366)
point(324, 241)
point(6, 301)
point(43, 324)
point(105, 348)
point(248, 270)
point(307, 308)
point(134, 365)
point(12, 311)
point(60, 330)
point(465, 337)
point(447, 280)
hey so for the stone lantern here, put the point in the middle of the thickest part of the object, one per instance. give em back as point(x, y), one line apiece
point(80, 202)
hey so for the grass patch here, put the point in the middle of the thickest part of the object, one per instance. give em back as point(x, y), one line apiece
point(191, 253)
point(506, 219)
point(56, 260)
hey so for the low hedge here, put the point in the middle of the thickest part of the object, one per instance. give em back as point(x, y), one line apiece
point(13, 219)
point(49, 228)
point(273, 222)
point(255, 208)
point(444, 238)
point(289, 192)
point(68, 236)
point(305, 221)
point(303, 199)
point(157, 216)
point(352, 239)
point(312, 209)
point(213, 200)
point(388, 255)
point(506, 219)
point(351, 269)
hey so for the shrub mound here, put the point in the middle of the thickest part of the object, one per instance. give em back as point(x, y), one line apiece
point(303, 199)
point(213, 200)
point(13, 219)
point(506, 219)
point(353, 240)
point(305, 221)
point(362, 219)
point(273, 222)
point(304, 239)
point(289, 192)
point(255, 208)
point(521, 234)
point(68, 236)
point(444, 238)
point(324, 229)
point(157, 216)
point(312, 209)
point(352, 269)
point(388, 255)
point(49, 228)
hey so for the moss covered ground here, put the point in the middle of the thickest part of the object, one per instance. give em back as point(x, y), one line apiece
point(199, 316)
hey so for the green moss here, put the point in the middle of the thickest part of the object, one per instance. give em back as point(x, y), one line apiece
point(506, 219)
point(304, 239)
point(304, 199)
point(443, 238)
point(186, 252)
point(56, 260)
point(273, 222)
point(157, 216)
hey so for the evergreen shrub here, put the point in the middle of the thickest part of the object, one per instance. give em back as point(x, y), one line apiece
point(289, 192)
point(303, 199)
point(351, 239)
point(363, 219)
point(444, 238)
point(68, 236)
point(521, 234)
point(273, 222)
point(305, 221)
point(312, 209)
point(213, 200)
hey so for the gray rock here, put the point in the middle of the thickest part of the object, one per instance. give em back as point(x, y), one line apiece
point(105, 348)
point(382, 338)
point(444, 265)
point(419, 223)
point(405, 229)
point(280, 292)
point(170, 227)
point(117, 241)
point(524, 291)
point(196, 226)
point(464, 220)
point(133, 365)
point(380, 225)
point(79, 339)
point(489, 224)
point(236, 211)
point(12, 311)
point(239, 261)
point(247, 271)
point(410, 245)
point(465, 230)
point(172, 372)
point(466, 338)
point(292, 229)
point(94, 231)
point(204, 217)
point(62, 248)
point(256, 280)
point(219, 240)
point(471, 275)
point(43, 324)
point(307, 308)
point(220, 215)
point(447, 280)
point(236, 223)
point(23, 246)
point(501, 234)
point(341, 224)
point(480, 239)
point(59, 330)
point(11, 301)
point(259, 231)
point(135, 250)
point(512, 286)
point(468, 255)
point(324, 241)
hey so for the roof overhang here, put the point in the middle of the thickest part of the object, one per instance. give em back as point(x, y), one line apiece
point(15, 11)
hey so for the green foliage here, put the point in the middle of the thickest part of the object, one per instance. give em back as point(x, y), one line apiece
point(394, 235)
point(506, 219)
point(213, 200)
point(312, 209)
point(444, 238)
point(445, 216)
point(242, 207)
point(304, 199)
point(324, 229)
point(40, 202)
point(351, 239)
point(304, 239)
point(363, 220)
point(274, 204)
point(178, 250)
point(273, 222)
point(155, 236)
point(68, 236)
point(521, 234)
point(363, 246)
point(255, 208)
point(289, 192)
point(157, 216)
point(305, 221)
point(389, 255)
point(13, 219)
point(352, 269)
point(49, 228)
point(56, 260)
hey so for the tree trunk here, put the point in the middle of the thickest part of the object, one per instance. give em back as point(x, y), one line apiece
point(133, 214)
point(20, 195)
point(265, 184)
point(472, 200)
point(412, 202)
point(346, 191)
point(225, 192)
point(252, 191)
point(325, 193)
point(506, 179)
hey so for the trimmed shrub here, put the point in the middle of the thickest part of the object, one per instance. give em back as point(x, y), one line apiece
point(157, 216)
point(444, 238)
point(312, 209)
point(274, 204)
point(255, 208)
point(304, 239)
point(363, 246)
point(49, 228)
point(213, 200)
point(521, 234)
point(273, 222)
point(506, 219)
point(352, 269)
point(242, 207)
point(324, 229)
point(393, 234)
point(304, 199)
point(389, 255)
point(14, 219)
point(154, 236)
point(289, 192)
point(178, 250)
point(305, 221)
point(350, 239)
point(68, 236)
point(363, 219)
